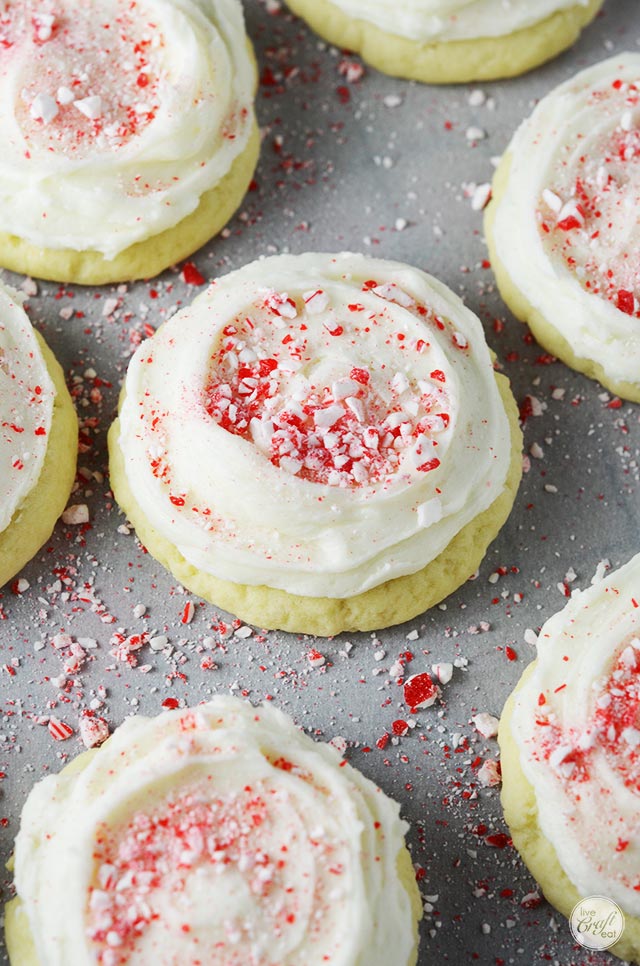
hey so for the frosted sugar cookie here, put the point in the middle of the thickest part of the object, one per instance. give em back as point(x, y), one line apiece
point(128, 132)
point(570, 743)
point(450, 41)
point(563, 229)
point(219, 835)
point(318, 443)
point(38, 438)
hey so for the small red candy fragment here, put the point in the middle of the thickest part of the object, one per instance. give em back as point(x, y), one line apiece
point(400, 728)
point(531, 901)
point(360, 375)
point(497, 840)
point(191, 275)
point(569, 223)
point(420, 691)
point(626, 302)
point(429, 465)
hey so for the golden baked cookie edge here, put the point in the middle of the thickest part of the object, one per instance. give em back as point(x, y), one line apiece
point(392, 602)
point(33, 522)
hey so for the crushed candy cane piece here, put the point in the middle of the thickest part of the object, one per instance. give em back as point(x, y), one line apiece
point(420, 691)
point(485, 724)
point(489, 774)
point(59, 730)
point(93, 730)
point(443, 671)
point(76, 514)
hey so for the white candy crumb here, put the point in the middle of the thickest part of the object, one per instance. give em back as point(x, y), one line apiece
point(443, 672)
point(475, 133)
point(91, 106)
point(486, 724)
point(480, 197)
point(43, 108)
point(601, 570)
point(476, 98)
point(76, 514)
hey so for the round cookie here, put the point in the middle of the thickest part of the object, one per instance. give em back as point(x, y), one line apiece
point(563, 246)
point(38, 438)
point(450, 41)
point(318, 443)
point(136, 118)
point(569, 753)
point(220, 834)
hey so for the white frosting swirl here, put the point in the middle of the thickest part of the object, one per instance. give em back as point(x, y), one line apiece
point(26, 406)
point(316, 423)
point(576, 722)
point(443, 20)
point(565, 228)
point(220, 835)
point(122, 113)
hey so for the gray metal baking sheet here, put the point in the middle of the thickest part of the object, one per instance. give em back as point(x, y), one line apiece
point(350, 160)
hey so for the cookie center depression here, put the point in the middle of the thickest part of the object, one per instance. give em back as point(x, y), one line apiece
point(306, 384)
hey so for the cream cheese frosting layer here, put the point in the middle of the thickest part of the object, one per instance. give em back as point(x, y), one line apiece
point(576, 722)
point(316, 423)
point(220, 835)
point(566, 229)
point(26, 406)
point(121, 112)
point(442, 20)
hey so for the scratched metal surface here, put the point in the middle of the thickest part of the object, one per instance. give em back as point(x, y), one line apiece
point(387, 167)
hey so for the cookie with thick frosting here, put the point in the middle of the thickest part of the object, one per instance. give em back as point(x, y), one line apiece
point(570, 752)
point(220, 834)
point(318, 443)
point(450, 41)
point(562, 226)
point(128, 130)
point(38, 438)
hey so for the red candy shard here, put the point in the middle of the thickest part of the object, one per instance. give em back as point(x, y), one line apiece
point(569, 223)
point(360, 375)
point(626, 302)
point(497, 840)
point(400, 728)
point(420, 691)
point(191, 275)
point(429, 465)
